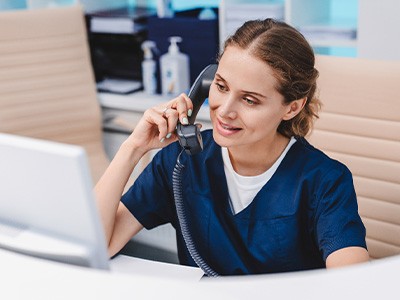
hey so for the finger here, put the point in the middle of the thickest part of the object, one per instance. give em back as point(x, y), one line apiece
point(172, 116)
point(182, 108)
point(155, 117)
point(189, 104)
point(182, 97)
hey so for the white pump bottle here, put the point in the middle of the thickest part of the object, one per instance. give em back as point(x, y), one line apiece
point(175, 72)
point(149, 68)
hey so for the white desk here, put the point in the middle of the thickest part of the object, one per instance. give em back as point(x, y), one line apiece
point(25, 277)
point(128, 265)
point(29, 278)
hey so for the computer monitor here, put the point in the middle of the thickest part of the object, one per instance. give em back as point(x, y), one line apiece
point(47, 206)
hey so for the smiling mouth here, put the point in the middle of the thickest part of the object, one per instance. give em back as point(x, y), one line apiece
point(228, 127)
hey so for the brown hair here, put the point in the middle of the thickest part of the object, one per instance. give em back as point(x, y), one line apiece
point(291, 57)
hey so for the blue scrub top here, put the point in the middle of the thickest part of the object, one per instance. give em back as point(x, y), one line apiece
point(306, 211)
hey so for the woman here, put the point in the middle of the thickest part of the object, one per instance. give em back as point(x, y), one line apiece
point(259, 198)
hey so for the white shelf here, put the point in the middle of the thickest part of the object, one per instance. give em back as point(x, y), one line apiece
point(330, 35)
point(138, 102)
point(331, 43)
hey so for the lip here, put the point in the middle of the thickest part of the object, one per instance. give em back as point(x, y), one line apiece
point(223, 129)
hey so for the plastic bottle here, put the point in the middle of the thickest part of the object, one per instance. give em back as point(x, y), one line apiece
point(149, 68)
point(164, 9)
point(175, 72)
point(207, 13)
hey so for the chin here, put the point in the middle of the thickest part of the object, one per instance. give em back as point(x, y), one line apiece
point(222, 141)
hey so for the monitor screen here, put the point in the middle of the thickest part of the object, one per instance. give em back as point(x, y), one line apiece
point(47, 206)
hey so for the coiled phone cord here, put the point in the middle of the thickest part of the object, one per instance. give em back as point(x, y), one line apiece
point(187, 237)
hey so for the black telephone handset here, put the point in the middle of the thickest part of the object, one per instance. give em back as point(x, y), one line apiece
point(189, 135)
point(190, 139)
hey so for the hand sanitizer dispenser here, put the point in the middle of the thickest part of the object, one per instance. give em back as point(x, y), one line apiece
point(149, 68)
point(175, 72)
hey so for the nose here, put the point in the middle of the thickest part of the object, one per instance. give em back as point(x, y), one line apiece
point(228, 109)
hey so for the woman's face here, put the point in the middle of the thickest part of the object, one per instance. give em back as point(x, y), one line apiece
point(245, 107)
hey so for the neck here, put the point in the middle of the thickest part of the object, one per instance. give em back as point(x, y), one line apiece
point(252, 160)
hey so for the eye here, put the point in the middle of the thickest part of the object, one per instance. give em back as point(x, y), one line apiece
point(249, 101)
point(220, 87)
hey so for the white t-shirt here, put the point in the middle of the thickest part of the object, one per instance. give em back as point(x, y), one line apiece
point(243, 189)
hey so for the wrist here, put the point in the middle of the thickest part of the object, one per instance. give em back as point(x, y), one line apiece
point(133, 150)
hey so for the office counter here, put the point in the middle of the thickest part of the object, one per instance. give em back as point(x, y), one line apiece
point(25, 277)
point(30, 278)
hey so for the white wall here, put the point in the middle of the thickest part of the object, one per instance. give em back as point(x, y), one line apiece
point(379, 29)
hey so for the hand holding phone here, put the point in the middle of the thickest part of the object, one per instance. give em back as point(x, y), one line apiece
point(189, 135)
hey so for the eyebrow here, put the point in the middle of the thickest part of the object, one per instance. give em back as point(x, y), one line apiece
point(218, 76)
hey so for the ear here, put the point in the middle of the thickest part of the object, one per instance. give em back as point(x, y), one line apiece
point(294, 108)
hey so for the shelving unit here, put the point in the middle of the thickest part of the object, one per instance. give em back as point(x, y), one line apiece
point(362, 28)
point(318, 20)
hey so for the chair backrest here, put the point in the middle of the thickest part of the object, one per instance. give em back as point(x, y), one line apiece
point(360, 126)
point(47, 87)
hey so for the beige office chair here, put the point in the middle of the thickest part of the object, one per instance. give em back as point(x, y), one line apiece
point(360, 126)
point(47, 88)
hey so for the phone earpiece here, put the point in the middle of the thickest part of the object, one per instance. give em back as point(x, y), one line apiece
point(189, 135)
